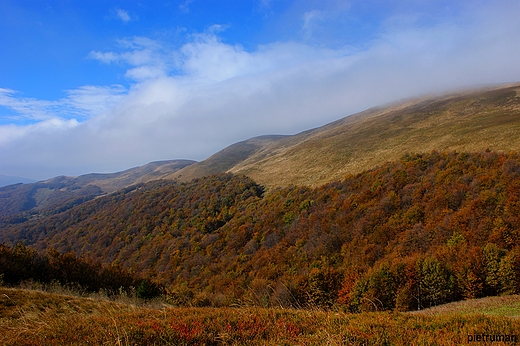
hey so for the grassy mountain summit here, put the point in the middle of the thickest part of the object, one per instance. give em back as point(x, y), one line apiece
point(468, 121)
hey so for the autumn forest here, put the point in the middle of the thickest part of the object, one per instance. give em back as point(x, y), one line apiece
point(425, 230)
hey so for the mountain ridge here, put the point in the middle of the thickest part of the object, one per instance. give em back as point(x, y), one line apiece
point(63, 192)
point(469, 121)
point(329, 152)
point(472, 120)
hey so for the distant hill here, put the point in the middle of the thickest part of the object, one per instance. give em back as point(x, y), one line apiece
point(226, 159)
point(63, 192)
point(110, 182)
point(10, 180)
point(468, 121)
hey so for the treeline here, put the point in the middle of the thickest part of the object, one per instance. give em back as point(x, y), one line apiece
point(428, 229)
point(20, 263)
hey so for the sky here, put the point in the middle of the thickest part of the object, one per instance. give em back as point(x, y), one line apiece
point(104, 85)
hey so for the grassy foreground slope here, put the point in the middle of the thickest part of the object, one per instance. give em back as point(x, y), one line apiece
point(39, 318)
point(466, 122)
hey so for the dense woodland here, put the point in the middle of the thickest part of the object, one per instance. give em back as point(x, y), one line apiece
point(20, 264)
point(428, 229)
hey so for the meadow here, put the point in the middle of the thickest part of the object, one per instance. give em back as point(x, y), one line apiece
point(37, 317)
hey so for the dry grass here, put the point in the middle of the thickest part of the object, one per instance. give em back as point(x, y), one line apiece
point(470, 122)
point(508, 306)
point(31, 317)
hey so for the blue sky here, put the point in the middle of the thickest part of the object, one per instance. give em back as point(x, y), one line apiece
point(101, 86)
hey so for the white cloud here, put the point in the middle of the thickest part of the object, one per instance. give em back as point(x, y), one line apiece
point(309, 20)
point(82, 103)
point(123, 15)
point(89, 101)
point(185, 6)
point(10, 133)
point(144, 72)
point(26, 108)
point(191, 101)
point(210, 59)
point(146, 58)
point(106, 58)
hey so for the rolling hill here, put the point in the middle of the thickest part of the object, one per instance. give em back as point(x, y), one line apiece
point(64, 192)
point(467, 121)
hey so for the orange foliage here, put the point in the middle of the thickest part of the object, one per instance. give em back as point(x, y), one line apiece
point(219, 237)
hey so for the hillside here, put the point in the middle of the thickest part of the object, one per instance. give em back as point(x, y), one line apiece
point(110, 182)
point(226, 159)
point(471, 121)
point(441, 224)
point(64, 192)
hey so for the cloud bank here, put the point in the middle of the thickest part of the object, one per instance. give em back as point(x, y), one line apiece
point(193, 100)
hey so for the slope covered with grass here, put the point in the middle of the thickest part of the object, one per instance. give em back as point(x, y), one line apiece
point(41, 318)
point(508, 306)
point(471, 121)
